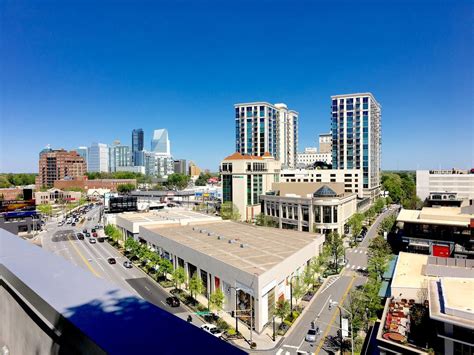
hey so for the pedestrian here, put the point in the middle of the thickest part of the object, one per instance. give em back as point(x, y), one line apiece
point(190, 319)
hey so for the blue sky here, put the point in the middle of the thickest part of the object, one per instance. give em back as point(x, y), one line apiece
point(74, 72)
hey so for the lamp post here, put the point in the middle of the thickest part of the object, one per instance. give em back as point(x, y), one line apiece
point(236, 314)
point(333, 303)
point(291, 295)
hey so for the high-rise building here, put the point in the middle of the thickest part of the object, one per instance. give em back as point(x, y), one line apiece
point(459, 183)
point(158, 165)
point(262, 127)
point(82, 151)
point(193, 170)
point(325, 143)
point(137, 146)
point(98, 158)
point(119, 156)
point(180, 166)
point(356, 138)
point(58, 164)
point(160, 142)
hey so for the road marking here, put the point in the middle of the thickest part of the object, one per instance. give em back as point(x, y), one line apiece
point(324, 306)
point(150, 291)
point(290, 346)
point(279, 352)
point(348, 266)
point(341, 301)
point(353, 266)
point(84, 259)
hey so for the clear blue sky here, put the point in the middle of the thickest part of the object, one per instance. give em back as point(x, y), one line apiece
point(74, 72)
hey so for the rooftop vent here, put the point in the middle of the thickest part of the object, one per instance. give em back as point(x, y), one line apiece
point(243, 245)
point(231, 241)
point(220, 237)
point(209, 234)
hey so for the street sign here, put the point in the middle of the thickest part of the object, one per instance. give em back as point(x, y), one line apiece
point(203, 313)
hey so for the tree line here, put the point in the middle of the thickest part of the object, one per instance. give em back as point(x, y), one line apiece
point(12, 180)
point(401, 187)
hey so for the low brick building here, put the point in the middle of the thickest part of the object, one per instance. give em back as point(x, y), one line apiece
point(85, 184)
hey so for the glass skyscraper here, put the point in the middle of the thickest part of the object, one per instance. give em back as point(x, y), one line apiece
point(356, 137)
point(137, 146)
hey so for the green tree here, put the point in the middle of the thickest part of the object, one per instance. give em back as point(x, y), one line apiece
point(45, 209)
point(165, 267)
point(334, 248)
point(378, 246)
point(179, 277)
point(299, 289)
point(177, 181)
point(132, 246)
point(202, 179)
point(230, 211)
point(265, 221)
point(216, 300)
point(387, 224)
point(125, 188)
point(309, 276)
point(379, 204)
point(282, 309)
point(355, 223)
point(196, 285)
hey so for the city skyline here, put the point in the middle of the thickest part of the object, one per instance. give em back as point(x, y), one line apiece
point(100, 93)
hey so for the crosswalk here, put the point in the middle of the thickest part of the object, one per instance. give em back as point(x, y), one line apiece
point(331, 280)
point(356, 251)
point(356, 267)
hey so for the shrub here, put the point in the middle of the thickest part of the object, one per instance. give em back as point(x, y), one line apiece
point(222, 324)
point(231, 332)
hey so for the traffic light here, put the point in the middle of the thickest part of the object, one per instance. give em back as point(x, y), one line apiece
point(232, 314)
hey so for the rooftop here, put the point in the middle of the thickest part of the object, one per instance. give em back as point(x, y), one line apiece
point(450, 216)
point(409, 270)
point(239, 156)
point(309, 189)
point(251, 249)
point(174, 215)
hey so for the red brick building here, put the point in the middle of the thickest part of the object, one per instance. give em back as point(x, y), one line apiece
point(59, 164)
point(85, 184)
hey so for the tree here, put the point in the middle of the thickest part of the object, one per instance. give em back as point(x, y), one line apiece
point(45, 209)
point(265, 221)
point(355, 222)
point(195, 285)
point(299, 289)
point(177, 181)
point(376, 266)
point(230, 211)
point(357, 305)
point(282, 309)
point(387, 224)
point(379, 204)
point(125, 188)
point(202, 179)
point(165, 266)
point(132, 246)
point(179, 277)
point(378, 246)
point(216, 300)
point(308, 276)
point(334, 248)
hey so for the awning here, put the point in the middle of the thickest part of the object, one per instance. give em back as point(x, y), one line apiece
point(384, 289)
point(388, 274)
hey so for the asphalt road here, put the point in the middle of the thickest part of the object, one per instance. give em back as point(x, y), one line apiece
point(337, 289)
point(93, 258)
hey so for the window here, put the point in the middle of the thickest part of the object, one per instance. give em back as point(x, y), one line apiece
point(326, 214)
point(317, 214)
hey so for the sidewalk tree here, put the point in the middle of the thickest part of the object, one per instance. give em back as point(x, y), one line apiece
point(282, 309)
point(265, 221)
point(216, 300)
point(125, 188)
point(355, 223)
point(299, 289)
point(196, 285)
point(309, 276)
point(45, 209)
point(177, 181)
point(179, 277)
point(165, 267)
point(230, 211)
point(376, 266)
point(378, 246)
point(387, 224)
point(379, 204)
point(334, 248)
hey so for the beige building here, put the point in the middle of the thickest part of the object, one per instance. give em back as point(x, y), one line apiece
point(194, 170)
point(53, 196)
point(352, 179)
point(325, 143)
point(251, 264)
point(456, 181)
point(311, 156)
point(58, 164)
point(310, 207)
point(245, 178)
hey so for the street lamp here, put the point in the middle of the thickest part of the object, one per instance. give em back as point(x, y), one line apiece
point(236, 314)
point(291, 295)
point(334, 303)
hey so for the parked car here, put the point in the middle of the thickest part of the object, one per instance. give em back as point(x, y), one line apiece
point(89, 218)
point(100, 239)
point(359, 238)
point(127, 264)
point(84, 230)
point(73, 224)
point(311, 335)
point(87, 234)
point(92, 241)
point(173, 301)
point(111, 261)
point(211, 329)
point(60, 224)
point(93, 230)
point(80, 236)
point(94, 234)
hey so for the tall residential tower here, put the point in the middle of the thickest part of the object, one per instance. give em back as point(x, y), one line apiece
point(262, 127)
point(137, 146)
point(356, 137)
point(98, 158)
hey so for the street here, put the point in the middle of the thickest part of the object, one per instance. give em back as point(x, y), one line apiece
point(93, 258)
point(337, 289)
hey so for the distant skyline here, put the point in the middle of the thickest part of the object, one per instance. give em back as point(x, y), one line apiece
point(73, 73)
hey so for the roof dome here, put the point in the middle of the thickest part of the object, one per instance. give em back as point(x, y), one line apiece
point(325, 191)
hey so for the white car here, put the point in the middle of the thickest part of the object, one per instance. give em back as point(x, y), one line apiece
point(92, 241)
point(212, 329)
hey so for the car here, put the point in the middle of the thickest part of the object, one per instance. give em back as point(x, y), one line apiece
point(73, 224)
point(127, 264)
point(311, 335)
point(94, 234)
point(87, 234)
point(359, 238)
point(89, 218)
point(100, 239)
point(84, 230)
point(80, 236)
point(92, 241)
point(211, 329)
point(68, 221)
point(60, 224)
point(173, 301)
point(93, 230)
point(111, 261)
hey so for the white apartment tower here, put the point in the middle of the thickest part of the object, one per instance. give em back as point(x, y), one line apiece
point(263, 127)
point(356, 138)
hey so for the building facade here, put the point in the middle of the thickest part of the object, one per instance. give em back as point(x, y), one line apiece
point(98, 158)
point(82, 151)
point(58, 164)
point(310, 207)
point(137, 146)
point(325, 143)
point(356, 138)
point(263, 127)
point(180, 166)
point(456, 181)
point(158, 164)
point(311, 156)
point(54, 195)
point(160, 142)
point(245, 178)
point(86, 184)
point(193, 170)
point(119, 156)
